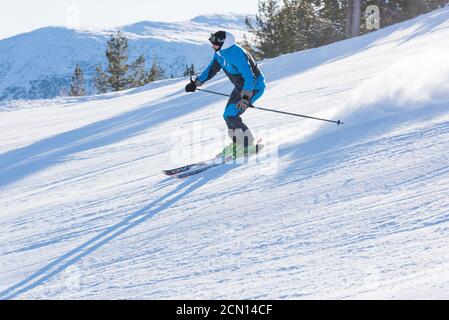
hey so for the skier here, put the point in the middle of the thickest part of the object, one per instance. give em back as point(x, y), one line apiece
point(249, 82)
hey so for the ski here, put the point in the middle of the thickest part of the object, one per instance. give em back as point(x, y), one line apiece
point(206, 166)
point(176, 171)
point(172, 172)
point(196, 171)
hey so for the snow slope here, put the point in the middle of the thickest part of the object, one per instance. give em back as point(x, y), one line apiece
point(349, 212)
point(39, 64)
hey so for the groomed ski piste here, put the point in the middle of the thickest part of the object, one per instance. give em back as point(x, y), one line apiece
point(359, 211)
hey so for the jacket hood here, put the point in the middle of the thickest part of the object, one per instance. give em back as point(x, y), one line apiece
point(229, 42)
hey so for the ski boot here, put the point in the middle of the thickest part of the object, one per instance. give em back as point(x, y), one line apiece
point(235, 151)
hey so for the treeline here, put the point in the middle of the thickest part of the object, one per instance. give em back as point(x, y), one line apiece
point(284, 26)
point(119, 73)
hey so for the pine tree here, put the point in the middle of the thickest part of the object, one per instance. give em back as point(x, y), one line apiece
point(189, 71)
point(267, 28)
point(303, 28)
point(156, 72)
point(408, 9)
point(192, 70)
point(101, 80)
point(294, 26)
point(356, 16)
point(117, 55)
point(341, 12)
point(335, 12)
point(186, 71)
point(252, 49)
point(138, 74)
point(77, 85)
point(436, 4)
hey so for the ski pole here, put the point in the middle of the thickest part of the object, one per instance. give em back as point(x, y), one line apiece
point(276, 111)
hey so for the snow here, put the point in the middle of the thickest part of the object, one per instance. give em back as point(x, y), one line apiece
point(39, 64)
point(350, 212)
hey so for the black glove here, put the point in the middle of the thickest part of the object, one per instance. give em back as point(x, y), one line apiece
point(246, 100)
point(191, 87)
point(243, 104)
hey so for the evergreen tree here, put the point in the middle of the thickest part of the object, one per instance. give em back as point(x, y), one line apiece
point(189, 71)
point(303, 28)
point(356, 16)
point(294, 26)
point(77, 85)
point(192, 70)
point(341, 12)
point(101, 80)
point(138, 74)
point(335, 11)
point(267, 29)
point(436, 4)
point(395, 11)
point(251, 48)
point(156, 72)
point(117, 55)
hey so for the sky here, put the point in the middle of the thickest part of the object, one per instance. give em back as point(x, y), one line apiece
point(18, 16)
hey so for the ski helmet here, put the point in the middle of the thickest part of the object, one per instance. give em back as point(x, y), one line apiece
point(218, 38)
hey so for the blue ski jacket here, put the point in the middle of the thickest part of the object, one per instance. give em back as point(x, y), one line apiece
point(238, 65)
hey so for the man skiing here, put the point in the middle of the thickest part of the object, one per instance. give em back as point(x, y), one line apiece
point(249, 82)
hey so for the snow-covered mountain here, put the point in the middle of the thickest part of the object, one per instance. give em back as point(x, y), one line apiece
point(353, 211)
point(39, 64)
